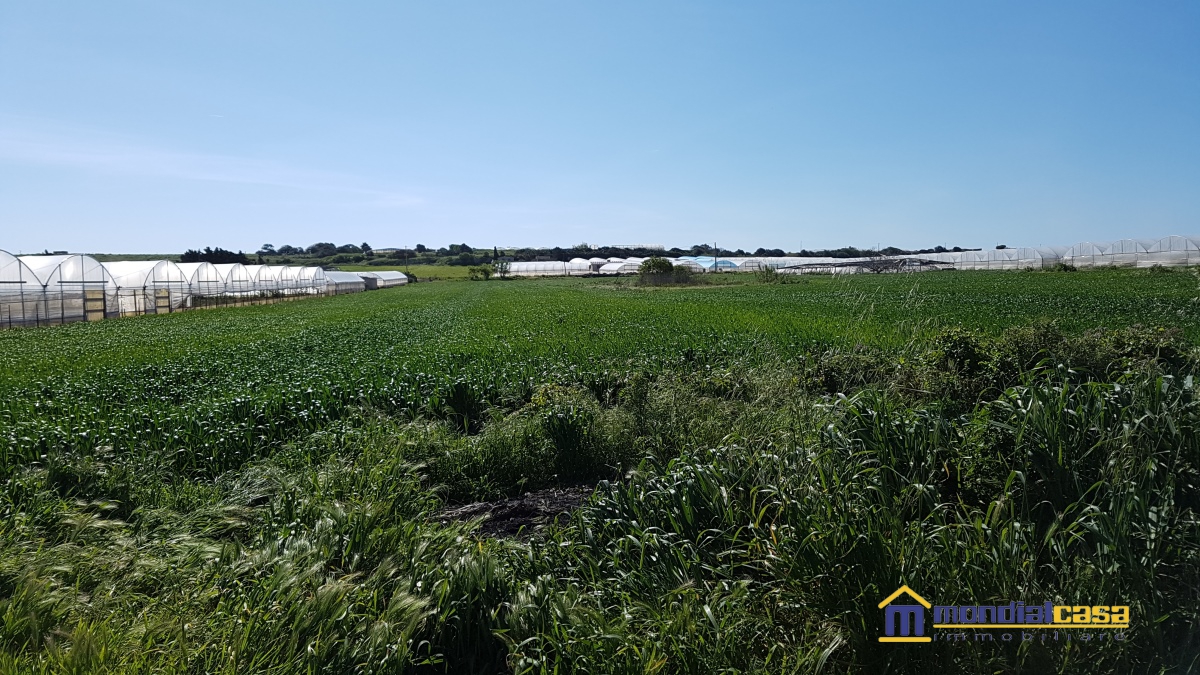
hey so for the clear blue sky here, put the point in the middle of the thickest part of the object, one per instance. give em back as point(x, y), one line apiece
point(152, 126)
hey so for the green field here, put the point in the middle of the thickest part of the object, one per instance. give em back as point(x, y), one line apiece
point(264, 489)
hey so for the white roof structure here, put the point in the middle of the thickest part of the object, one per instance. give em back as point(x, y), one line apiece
point(15, 274)
point(73, 287)
point(146, 287)
point(343, 282)
point(1168, 251)
point(68, 271)
point(266, 277)
point(390, 278)
point(238, 279)
point(313, 275)
point(205, 278)
point(550, 268)
point(145, 274)
point(20, 292)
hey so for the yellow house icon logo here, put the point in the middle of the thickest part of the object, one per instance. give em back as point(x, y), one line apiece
point(904, 623)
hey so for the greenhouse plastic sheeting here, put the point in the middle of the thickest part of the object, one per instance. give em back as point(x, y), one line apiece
point(73, 288)
point(204, 279)
point(337, 283)
point(21, 293)
point(146, 287)
point(548, 268)
point(389, 278)
point(238, 280)
point(1168, 251)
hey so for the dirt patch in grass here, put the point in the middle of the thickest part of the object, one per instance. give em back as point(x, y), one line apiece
point(521, 516)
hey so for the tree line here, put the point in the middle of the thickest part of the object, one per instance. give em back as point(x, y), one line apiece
point(322, 253)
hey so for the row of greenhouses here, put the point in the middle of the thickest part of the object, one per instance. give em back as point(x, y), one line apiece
point(1168, 251)
point(40, 290)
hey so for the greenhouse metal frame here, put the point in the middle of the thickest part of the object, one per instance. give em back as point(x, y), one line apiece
point(146, 287)
point(73, 288)
point(20, 293)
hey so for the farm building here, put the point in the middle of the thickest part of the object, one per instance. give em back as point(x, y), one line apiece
point(389, 278)
point(339, 283)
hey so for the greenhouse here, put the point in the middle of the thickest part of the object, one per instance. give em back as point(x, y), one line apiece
point(146, 287)
point(312, 280)
point(44, 290)
point(286, 279)
point(20, 293)
point(631, 265)
point(338, 283)
point(389, 279)
point(205, 280)
point(73, 288)
point(239, 282)
point(1168, 251)
point(266, 278)
point(549, 268)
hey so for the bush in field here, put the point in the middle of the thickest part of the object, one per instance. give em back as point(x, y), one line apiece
point(655, 267)
point(659, 271)
point(481, 272)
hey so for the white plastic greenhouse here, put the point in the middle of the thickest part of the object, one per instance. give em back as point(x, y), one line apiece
point(266, 278)
point(390, 278)
point(146, 287)
point(549, 268)
point(338, 283)
point(1169, 252)
point(312, 280)
point(73, 288)
point(20, 293)
point(205, 279)
point(238, 280)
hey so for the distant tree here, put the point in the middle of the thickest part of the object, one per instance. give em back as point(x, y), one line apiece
point(502, 267)
point(367, 250)
point(216, 256)
point(287, 249)
point(267, 249)
point(1000, 246)
point(421, 248)
point(322, 249)
point(349, 248)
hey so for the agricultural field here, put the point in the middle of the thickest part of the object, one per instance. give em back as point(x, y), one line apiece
point(291, 488)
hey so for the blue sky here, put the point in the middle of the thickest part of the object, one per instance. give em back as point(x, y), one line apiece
point(153, 127)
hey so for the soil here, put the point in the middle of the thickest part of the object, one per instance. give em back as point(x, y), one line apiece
point(524, 515)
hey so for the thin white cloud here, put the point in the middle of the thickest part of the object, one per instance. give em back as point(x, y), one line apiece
point(108, 155)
